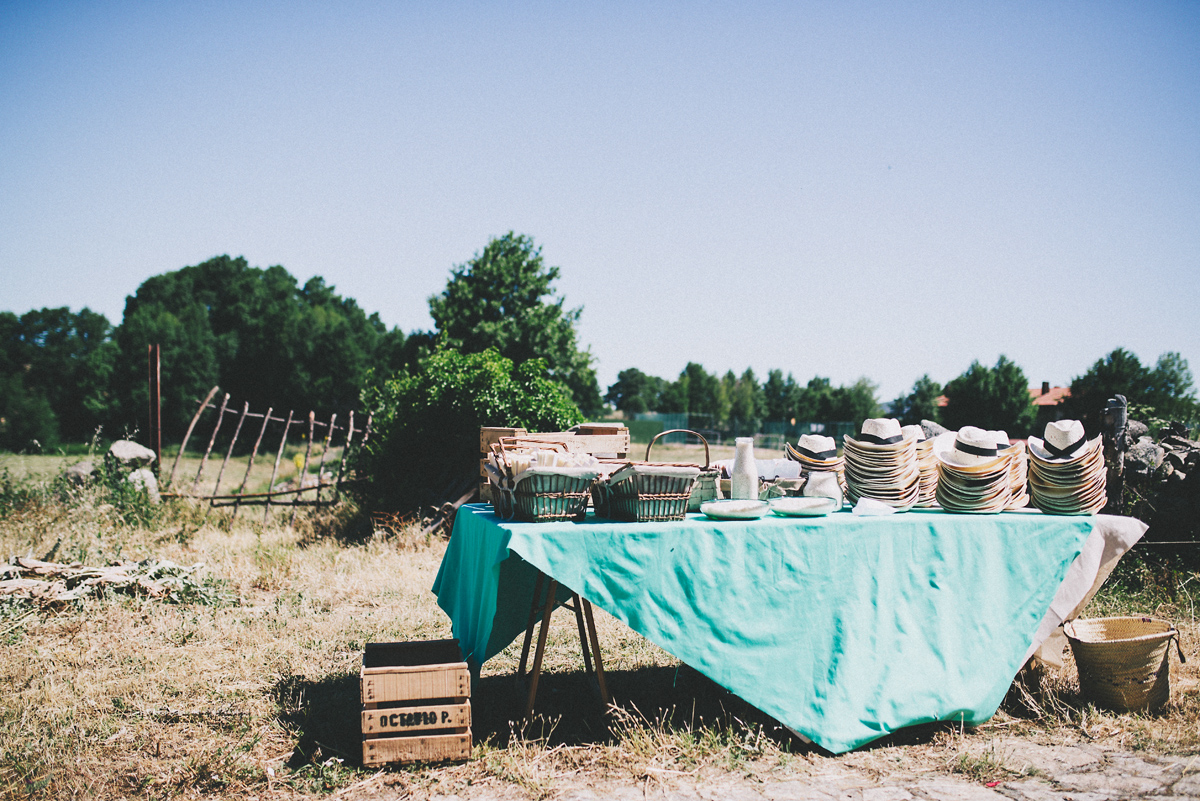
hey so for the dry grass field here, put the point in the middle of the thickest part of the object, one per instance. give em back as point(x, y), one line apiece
point(248, 688)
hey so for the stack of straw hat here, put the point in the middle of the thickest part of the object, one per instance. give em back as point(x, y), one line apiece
point(973, 475)
point(926, 464)
point(1018, 469)
point(818, 454)
point(882, 464)
point(1066, 470)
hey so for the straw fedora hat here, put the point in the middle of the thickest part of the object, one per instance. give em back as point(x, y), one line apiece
point(1064, 441)
point(968, 447)
point(817, 448)
point(913, 432)
point(879, 433)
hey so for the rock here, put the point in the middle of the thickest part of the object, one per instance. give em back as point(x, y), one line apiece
point(1144, 457)
point(1135, 430)
point(143, 478)
point(81, 474)
point(131, 454)
point(932, 429)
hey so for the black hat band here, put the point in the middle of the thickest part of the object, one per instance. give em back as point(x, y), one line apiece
point(818, 456)
point(874, 440)
point(974, 450)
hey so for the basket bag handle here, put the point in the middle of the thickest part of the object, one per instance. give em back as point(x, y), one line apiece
point(1178, 646)
point(680, 431)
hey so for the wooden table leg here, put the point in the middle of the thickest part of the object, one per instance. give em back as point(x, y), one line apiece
point(536, 672)
point(577, 605)
point(533, 609)
point(591, 625)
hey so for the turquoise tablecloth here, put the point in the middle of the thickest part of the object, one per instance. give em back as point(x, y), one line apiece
point(843, 628)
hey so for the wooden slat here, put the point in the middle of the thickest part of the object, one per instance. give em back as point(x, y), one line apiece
point(489, 435)
point(376, 722)
point(381, 685)
point(432, 748)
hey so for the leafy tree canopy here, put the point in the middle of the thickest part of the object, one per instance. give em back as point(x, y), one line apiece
point(919, 404)
point(504, 298)
point(427, 418)
point(64, 360)
point(747, 401)
point(259, 334)
point(993, 398)
point(635, 392)
point(1167, 388)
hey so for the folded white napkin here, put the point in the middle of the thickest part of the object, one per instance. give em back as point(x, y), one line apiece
point(630, 470)
point(871, 507)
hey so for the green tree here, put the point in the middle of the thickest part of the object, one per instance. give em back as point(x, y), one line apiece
point(425, 448)
point(919, 404)
point(27, 423)
point(856, 402)
point(702, 393)
point(1172, 392)
point(635, 392)
point(990, 398)
point(746, 400)
point(1166, 388)
point(816, 401)
point(259, 334)
point(781, 396)
point(504, 298)
point(66, 359)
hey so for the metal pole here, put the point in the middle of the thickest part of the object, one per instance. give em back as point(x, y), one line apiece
point(154, 359)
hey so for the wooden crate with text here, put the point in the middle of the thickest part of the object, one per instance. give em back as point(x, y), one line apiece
point(416, 702)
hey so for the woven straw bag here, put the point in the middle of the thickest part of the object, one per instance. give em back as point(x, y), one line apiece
point(1124, 661)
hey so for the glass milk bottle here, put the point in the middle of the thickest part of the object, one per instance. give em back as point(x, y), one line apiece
point(743, 484)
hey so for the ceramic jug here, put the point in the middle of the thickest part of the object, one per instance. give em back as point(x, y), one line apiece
point(743, 484)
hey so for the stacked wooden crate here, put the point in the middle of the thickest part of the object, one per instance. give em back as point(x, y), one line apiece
point(594, 438)
point(416, 702)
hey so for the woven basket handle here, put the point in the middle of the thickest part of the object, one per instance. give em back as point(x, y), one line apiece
point(680, 431)
point(1178, 646)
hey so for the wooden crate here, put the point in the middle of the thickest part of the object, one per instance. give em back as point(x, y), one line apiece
point(593, 439)
point(416, 702)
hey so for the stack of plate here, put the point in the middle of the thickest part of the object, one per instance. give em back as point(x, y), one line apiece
point(1018, 471)
point(818, 454)
point(973, 475)
point(882, 464)
point(1066, 470)
point(927, 465)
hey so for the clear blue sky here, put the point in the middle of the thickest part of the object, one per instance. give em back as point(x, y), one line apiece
point(843, 189)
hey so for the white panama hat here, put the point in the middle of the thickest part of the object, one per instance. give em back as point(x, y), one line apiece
point(968, 447)
point(817, 447)
point(914, 432)
point(1065, 441)
point(879, 432)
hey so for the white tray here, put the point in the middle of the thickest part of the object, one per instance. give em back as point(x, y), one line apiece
point(735, 510)
point(804, 507)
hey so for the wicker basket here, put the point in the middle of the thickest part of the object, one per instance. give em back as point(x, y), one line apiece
point(546, 497)
point(1124, 661)
point(644, 497)
point(707, 486)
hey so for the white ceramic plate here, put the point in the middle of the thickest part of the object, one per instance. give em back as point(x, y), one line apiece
point(734, 510)
point(803, 507)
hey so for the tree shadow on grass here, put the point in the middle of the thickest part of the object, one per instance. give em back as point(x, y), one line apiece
point(325, 714)
point(568, 709)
